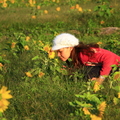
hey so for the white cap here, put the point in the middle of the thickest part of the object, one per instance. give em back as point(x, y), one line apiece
point(64, 40)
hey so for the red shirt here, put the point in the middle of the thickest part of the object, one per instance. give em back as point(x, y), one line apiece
point(100, 57)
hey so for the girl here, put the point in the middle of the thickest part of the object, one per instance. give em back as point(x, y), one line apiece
point(98, 61)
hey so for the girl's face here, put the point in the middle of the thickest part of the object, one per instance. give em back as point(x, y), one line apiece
point(64, 53)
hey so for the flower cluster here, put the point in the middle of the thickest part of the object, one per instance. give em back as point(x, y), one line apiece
point(4, 95)
point(101, 109)
point(96, 86)
point(51, 54)
point(41, 74)
point(28, 74)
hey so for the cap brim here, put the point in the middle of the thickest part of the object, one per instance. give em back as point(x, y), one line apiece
point(58, 47)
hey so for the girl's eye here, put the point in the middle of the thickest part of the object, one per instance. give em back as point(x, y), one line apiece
point(59, 51)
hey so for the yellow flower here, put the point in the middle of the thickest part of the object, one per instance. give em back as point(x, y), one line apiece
point(13, 45)
point(96, 86)
point(86, 111)
point(51, 54)
point(38, 7)
point(41, 74)
point(33, 17)
point(72, 7)
point(94, 117)
point(119, 95)
point(12, 1)
point(1, 1)
point(101, 108)
point(28, 74)
point(46, 48)
point(89, 10)
point(1, 65)
point(45, 11)
point(4, 5)
point(4, 93)
point(99, 43)
point(80, 9)
point(102, 22)
point(116, 75)
point(77, 6)
point(58, 9)
point(30, 1)
point(34, 2)
point(57, 1)
point(34, 42)
point(27, 38)
point(41, 43)
point(26, 47)
point(3, 105)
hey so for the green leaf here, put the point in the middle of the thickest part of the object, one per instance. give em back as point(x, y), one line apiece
point(96, 8)
point(3, 119)
point(117, 88)
point(108, 12)
point(81, 104)
point(72, 104)
point(93, 98)
point(7, 61)
point(35, 58)
point(115, 100)
point(0, 114)
point(101, 13)
point(80, 96)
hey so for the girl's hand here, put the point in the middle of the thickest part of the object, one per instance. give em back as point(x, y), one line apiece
point(94, 78)
point(99, 80)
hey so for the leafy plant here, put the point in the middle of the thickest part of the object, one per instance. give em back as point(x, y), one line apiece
point(103, 10)
point(113, 45)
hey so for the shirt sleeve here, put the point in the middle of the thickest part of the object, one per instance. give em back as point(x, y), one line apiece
point(107, 61)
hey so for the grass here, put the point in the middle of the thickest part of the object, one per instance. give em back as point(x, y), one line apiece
point(48, 97)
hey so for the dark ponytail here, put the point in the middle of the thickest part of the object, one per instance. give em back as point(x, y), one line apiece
point(80, 48)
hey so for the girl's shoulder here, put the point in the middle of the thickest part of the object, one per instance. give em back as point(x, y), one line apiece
point(100, 50)
point(105, 53)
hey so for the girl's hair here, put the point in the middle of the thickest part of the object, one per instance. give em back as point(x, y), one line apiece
point(80, 48)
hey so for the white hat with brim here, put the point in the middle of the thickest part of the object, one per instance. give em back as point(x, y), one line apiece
point(64, 40)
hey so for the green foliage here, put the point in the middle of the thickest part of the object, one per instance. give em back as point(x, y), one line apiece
point(50, 91)
point(113, 45)
point(3, 61)
point(103, 10)
point(90, 100)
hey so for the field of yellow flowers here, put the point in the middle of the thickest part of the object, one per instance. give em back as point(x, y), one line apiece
point(34, 83)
